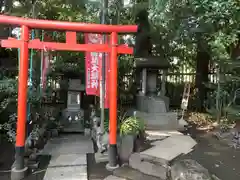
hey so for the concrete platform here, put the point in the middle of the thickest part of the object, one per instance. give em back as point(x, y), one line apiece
point(68, 157)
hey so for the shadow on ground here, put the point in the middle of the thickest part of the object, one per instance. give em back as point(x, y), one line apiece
point(7, 159)
point(96, 171)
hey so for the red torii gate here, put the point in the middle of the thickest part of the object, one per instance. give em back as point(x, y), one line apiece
point(71, 45)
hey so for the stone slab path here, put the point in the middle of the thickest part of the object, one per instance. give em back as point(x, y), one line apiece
point(171, 147)
point(68, 157)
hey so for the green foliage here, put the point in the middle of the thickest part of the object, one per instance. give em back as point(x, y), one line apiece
point(8, 95)
point(132, 126)
point(179, 25)
point(177, 28)
point(126, 78)
point(233, 112)
point(9, 128)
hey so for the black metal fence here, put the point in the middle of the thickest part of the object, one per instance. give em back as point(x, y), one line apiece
point(175, 83)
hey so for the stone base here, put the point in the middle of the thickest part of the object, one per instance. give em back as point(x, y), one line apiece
point(159, 121)
point(14, 163)
point(111, 168)
point(19, 174)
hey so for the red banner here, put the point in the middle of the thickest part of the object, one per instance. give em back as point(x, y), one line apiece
point(107, 65)
point(46, 56)
point(93, 66)
point(45, 67)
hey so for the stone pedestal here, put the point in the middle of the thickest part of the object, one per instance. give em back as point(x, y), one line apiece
point(73, 120)
point(152, 104)
point(154, 110)
point(159, 121)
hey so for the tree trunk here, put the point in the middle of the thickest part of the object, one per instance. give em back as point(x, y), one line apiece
point(202, 70)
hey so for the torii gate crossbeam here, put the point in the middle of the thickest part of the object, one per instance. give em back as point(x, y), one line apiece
point(18, 172)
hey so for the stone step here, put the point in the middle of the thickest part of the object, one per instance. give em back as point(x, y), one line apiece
point(68, 144)
point(65, 173)
point(171, 147)
point(128, 173)
point(68, 157)
point(156, 160)
point(156, 135)
point(149, 165)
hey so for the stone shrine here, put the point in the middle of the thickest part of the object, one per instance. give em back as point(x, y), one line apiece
point(73, 115)
point(152, 106)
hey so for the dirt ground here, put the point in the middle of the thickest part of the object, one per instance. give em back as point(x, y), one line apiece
point(220, 159)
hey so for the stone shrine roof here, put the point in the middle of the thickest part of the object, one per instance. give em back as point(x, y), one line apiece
point(153, 62)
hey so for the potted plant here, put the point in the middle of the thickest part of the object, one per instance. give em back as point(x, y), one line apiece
point(130, 130)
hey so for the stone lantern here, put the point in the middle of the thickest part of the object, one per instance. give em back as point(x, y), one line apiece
point(151, 106)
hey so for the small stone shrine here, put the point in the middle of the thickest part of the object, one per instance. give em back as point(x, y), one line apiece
point(73, 115)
